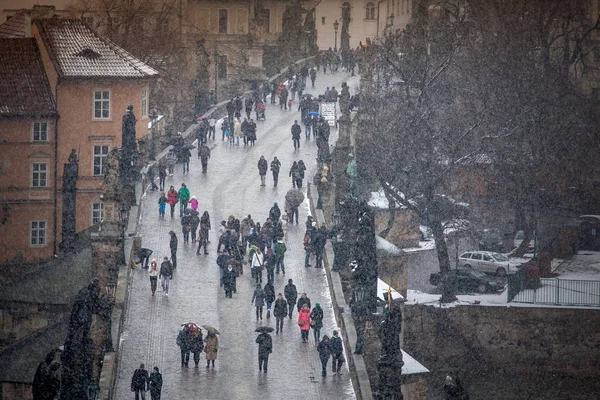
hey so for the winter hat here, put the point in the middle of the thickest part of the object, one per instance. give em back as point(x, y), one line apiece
point(153, 260)
point(317, 304)
point(275, 203)
point(314, 224)
point(156, 369)
point(166, 258)
point(194, 197)
point(290, 281)
point(335, 333)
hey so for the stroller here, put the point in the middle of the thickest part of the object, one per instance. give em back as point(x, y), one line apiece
point(260, 111)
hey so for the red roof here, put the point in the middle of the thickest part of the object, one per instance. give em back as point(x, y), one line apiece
point(24, 87)
point(79, 52)
point(14, 27)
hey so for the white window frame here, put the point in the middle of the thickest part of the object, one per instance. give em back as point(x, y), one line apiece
point(39, 125)
point(101, 157)
point(370, 11)
point(97, 212)
point(39, 175)
point(219, 21)
point(102, 100)
point(145, 102)
point(38, 233)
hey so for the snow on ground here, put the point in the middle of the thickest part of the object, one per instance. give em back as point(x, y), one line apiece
point(411, 366)
point(389, 248)
point(426, 245)
point(378, 200)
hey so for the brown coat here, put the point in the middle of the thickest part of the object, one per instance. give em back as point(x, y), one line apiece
point(211, 344)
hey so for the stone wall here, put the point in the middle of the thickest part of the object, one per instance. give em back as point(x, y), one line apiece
point(405, 231)
point(19, 320)
point(491, 345)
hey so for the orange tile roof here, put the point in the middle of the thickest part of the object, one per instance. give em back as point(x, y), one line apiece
point(24, 87)
point(79, 52)
point(14, 27)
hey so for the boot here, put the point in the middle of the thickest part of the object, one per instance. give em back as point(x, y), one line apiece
point(268, 313)
point(207, 363)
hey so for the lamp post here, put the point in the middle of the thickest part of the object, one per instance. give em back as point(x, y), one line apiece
point(110, 288)
point(359, 310)
point(152, 150)
point(336, 25)
point(93, 390)
point(123, 218)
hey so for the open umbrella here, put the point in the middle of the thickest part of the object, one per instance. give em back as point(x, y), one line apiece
point(264, 329)
point(294, 197)
point(313, 113)
point(191, 211)
point(211, 329)
point(189, 325)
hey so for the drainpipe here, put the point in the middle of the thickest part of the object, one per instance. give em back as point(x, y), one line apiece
point(378, 11)
point(55, 170)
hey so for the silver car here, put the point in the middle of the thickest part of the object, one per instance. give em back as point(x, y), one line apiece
point(486, 261)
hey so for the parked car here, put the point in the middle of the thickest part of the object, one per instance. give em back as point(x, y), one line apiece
point(490, 240)
point(468, 280)
point(486, 261)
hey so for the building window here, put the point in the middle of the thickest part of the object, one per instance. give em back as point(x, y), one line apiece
point(40, 131)
point(39, 173)
point(370, 11)
point(322, 20)
point(97, 213)
point(223, 21)
point(144, 102)
point(38, 233)
point(222, 67)
point(101, 104)
point(100, 153)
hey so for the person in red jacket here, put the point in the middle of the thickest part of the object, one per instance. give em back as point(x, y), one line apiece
point(172, 198)
point(304, 322)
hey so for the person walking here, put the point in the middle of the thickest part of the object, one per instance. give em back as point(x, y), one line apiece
point(324, 353)
point(296, 131)
point(295, 174)
point(155, 384)
point(275, 213)
point(165, 274)
point(173, 245)
point(283, 96)
point(194, 222)
point(280, 312)
point(184, 196)
point(318, 243)
point(139, 380)
point(185, 159)
point(153, 274)
point(258, 298)
point(304, 322)
point(162, 204)
point(337, 352)
point(229, 280)
point(257, 264)
point(197, 345)
point(302, 301)
point(269, 296)
point(316, 321)
point(275, 167)
point(265, 347)
point(171, 161)
point(313, 76)
point(186, 226)
point(307, 242)
point(212, 123)
point(162, 174)
point(211, 347)
point(172, 198)
point(184, 341)
point(291, 294)
point(262, 169)
point(279, 250)
point(204, 155)
point(205, 225)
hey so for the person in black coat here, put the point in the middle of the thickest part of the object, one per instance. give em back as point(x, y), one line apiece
point(196, 345)
point(139, 381)
point(291, 294)
point(265, 347)
point(337, 352)
point(262, 169)
point(229, 281)
point(302, 301)
point(155, 384)
point(324, 352)
point(318, 241)
point(295, 174)
point(269, 296)
point(275, 213)
point(280, 312)
point(296, 131)
point(275, 167)
point(173, 245)
point(184, 341)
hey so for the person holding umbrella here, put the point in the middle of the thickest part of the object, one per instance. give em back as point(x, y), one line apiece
point(293, 199)
point(304, 322)
point(265, 347)
point(197, 344)
point(279, 311)
point(211, 345)
point(184, 341)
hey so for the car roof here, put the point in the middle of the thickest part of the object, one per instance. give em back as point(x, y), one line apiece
point(589, 216)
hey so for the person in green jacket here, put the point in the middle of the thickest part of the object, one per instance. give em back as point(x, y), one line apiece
point(279, 249)
point(184, 197)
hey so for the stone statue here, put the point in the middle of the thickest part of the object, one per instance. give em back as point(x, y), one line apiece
point(46, 382)
point(128, 130)
point(351, 172)
point(345, 100)
point(111, 184)
point(390, 362)
point(78, 356)
point(128, 157)
point(322, 132)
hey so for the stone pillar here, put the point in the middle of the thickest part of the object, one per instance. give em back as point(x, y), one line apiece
point(106, 252)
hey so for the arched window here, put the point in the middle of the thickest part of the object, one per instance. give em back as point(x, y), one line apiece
point(370, 11)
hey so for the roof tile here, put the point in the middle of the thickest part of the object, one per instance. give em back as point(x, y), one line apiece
point(78, 51)
point(24, 87)
point(14, 27)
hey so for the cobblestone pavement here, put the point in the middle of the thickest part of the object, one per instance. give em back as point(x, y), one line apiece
point(231, 187)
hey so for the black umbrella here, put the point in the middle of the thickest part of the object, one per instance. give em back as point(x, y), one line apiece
point(264, 329)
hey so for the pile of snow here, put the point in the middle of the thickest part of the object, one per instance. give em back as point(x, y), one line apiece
point(386, 247)
point(427, 245)
point(383, 287)
point(379, 201)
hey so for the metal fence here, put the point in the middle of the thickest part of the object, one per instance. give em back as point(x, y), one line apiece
point(566, 292)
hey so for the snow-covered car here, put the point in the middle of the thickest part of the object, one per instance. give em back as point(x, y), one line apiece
point(469, 280)
point(490, 240)
point(486, 261)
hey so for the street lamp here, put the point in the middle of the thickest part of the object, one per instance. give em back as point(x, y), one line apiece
point(336, 25)
point(93, 390)
point(152, 150)
point(123, 218)
point(359, 310)
point(339, 251)
point(110, 287)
